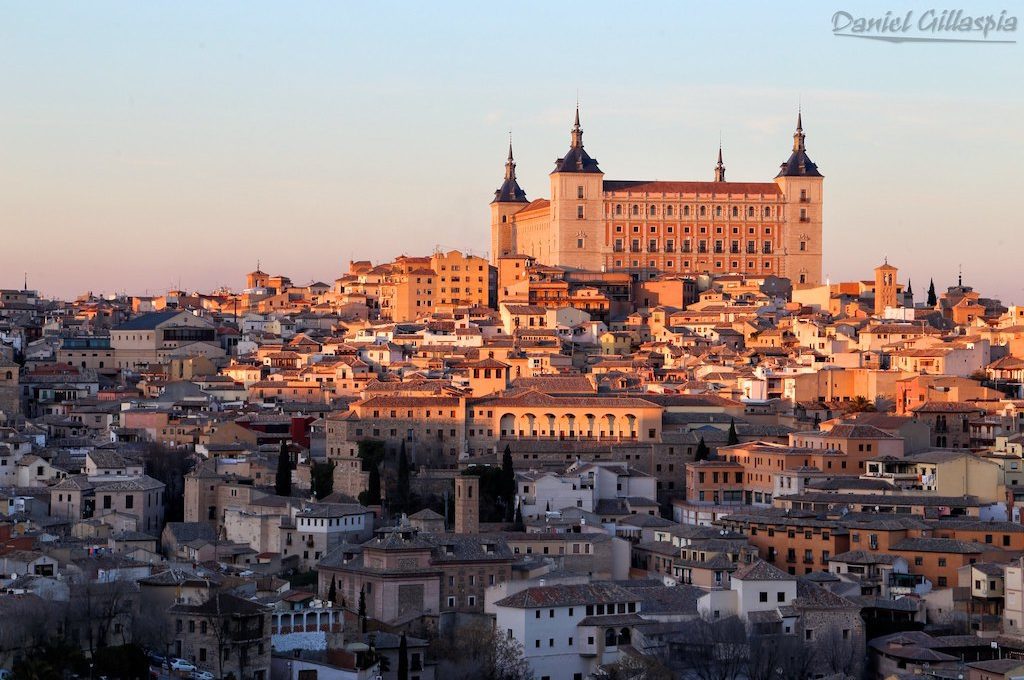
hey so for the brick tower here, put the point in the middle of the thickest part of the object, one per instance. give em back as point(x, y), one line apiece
point(467, 505)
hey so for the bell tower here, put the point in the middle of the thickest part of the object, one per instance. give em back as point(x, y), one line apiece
point(508, 200)
point(885, 288)
point(467, 504)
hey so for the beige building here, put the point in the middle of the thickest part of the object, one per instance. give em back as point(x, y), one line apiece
point(152, 339)
point(650, 228)
point(414, 287)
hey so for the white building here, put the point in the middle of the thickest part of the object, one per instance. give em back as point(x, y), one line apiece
point(568, 631)
point(582, 486)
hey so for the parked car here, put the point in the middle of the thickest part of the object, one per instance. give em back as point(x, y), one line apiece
point(202, 675)
point(182, 665)
point(156, 659)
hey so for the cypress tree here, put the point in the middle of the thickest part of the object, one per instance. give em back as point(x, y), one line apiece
point(403, 659)
point(518, 524)
point(734, 438)
point(932, 299)
point(372, 493)
point(362, 610)
point(332, 592)
point(283, 479)
point(508, 478)
point(404, 490)
point(703, 452)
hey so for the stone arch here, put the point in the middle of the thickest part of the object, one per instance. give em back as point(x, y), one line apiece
point(507, 424)
point(548, 424)
point(588, 426)
point(528, 424)
point(608, 421)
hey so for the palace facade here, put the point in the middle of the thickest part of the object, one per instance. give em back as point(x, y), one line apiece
point(655, 228)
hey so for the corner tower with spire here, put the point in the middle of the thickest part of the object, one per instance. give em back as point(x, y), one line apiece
point(576, 237)
point(508, 200)
point(801, 185)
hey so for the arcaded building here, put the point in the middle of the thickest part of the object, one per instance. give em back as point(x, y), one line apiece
point(651, 228)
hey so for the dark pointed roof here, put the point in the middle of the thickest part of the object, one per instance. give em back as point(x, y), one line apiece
point(576, 159)
point(799, 164)
point(510, 191)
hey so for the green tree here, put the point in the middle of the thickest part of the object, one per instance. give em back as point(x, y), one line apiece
point(492, 490)
point(322, 478)
point(734, 438)
point(332, 592)
point(518, 524)
point(703, 452)
point(403, 493)
point(861, 404)
point(362, 610)
point(932, 299)
point(403, 658)
point(372, 494)
point(508, 478)
point(283, 479)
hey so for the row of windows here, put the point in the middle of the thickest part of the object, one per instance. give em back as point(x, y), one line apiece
point(685, 264)
point(702, 246)
point(670, 229)
point(700, 211)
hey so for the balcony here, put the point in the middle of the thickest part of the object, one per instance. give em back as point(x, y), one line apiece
point(805, 199)
point(767, 250)
point(618, 249)
point(634, 249)
point(805, 218)
point(670, 249)
point(751, 250)
point(653, 248)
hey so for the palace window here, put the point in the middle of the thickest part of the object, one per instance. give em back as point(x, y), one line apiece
point(579, 192)
point(703, 211)
point(618, 208)
point(686, 211)
point(654, 210)
point(718, 211)
point(636, 209)
point(750, 211)
point(767, 212)
point(579, 212)
point(668, 211)
point(735, 211)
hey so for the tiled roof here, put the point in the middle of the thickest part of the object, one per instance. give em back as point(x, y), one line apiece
point(567, 595)
point(759, 570)
point(721, 188)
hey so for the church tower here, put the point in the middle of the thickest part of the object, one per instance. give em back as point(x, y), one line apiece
point(801, 185)
point(577, 209)
point(508, 200)
point(885, 288)
point(467, 504)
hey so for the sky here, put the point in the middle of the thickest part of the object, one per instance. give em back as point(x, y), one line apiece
point(150, 145)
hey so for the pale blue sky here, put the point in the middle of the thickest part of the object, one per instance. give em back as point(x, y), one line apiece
point(141, 143)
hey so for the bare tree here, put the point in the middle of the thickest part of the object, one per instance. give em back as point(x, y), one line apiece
point(102, 611)
point(715, 649)
point(775, 656)
point(478, 652)
point(838, 655)
point(635, 668)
